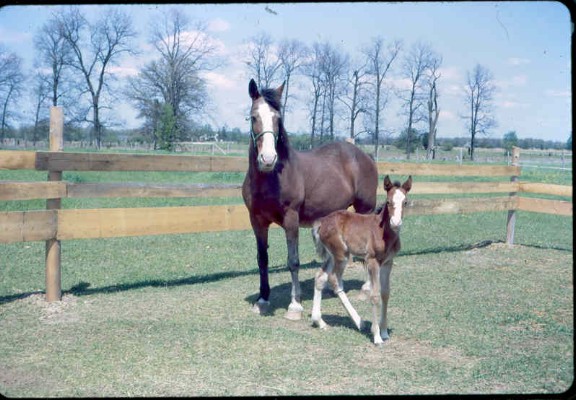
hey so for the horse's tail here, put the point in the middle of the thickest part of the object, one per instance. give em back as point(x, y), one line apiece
point(320, 249)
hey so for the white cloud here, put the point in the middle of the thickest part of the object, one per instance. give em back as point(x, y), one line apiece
point(399, 83)
point(446, 115)
point(14, 37)
point(123, 71)
point(219, 81)
point(515, 81)
point(451, 74)
point(512, 104)
point(218, 25)
point(558, 93)
point(515, 61)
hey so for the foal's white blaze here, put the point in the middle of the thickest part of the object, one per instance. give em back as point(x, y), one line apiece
point(398, 201)
point(267, 156)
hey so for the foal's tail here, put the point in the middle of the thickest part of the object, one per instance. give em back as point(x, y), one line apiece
point(320, 249)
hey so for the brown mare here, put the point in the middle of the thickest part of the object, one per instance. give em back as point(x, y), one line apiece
point(293, 189)
point(376, 237)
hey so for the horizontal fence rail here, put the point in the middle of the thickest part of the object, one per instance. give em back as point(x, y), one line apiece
point(61, 189)
point(64, 161)
point(64, 224)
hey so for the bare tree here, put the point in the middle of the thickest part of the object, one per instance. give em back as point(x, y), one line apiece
point(41, 92)
point(262, 61)
point(415, 64)
point(54, 52)
point(11, 82)
point(355, 98)
point(334, 65)
point(479, 93)
point(433, 109)
point(173, 83)
point(92, 57)
point(312, 70)
point(292, 55)
point(379, 63)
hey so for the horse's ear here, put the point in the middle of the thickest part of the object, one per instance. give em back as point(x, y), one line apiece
point(387, 183)
point(408, 184)
point(253, 90)
point(280, 89)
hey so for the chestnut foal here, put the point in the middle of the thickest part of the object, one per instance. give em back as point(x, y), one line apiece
point(376, 237)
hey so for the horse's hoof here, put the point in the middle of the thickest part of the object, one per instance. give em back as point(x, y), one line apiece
point(320, 324)
point(293, 315)
point(261, 307)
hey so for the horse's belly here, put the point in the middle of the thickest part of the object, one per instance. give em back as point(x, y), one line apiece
point(310, 213)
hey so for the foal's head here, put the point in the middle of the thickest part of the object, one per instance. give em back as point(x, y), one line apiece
point(266, 124)
point(396, 199)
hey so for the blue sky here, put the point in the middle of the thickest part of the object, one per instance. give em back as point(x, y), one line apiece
point(526, 45)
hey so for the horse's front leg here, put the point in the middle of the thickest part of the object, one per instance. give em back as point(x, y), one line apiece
point(262, 305)
point(291, 225)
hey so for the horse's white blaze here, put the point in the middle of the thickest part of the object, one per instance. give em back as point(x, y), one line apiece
point(397, 200)
point(268, 151)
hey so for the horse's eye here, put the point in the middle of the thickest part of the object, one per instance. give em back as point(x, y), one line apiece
point(253, 118)
point(388, 202)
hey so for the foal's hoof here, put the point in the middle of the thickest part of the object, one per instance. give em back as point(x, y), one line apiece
point(363, 295)
point(261, 307)
point(293, 315)
point(294, 312)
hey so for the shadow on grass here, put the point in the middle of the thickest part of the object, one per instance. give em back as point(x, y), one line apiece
point(84, 289)
point(280, 296)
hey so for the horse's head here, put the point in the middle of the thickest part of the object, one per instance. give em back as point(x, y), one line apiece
point(396, 199)
point(266, 123)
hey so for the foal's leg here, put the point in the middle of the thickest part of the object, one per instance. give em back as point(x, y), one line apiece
point(262, 305)
point(374, 272)
point(319, 282)
point(338, 286)
point(385, 295)
point(291, 225)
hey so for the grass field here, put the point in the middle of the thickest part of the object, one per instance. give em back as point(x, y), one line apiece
point(170, 315)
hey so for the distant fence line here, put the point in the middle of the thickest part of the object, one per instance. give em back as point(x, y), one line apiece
point(551, 159)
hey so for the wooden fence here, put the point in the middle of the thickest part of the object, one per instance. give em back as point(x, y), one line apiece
point(55, 224)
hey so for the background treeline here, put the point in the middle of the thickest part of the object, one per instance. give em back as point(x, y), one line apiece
point(78, 59)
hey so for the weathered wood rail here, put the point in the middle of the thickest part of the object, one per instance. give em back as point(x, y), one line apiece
point(55, 224)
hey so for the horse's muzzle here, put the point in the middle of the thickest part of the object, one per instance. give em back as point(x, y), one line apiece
point(266, 165)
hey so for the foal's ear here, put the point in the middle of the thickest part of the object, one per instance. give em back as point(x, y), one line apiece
point(408, 184)
point(387, 183)
point(253, 90)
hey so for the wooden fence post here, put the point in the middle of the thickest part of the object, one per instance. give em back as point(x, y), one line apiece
point(53, 250)
point(510, 225)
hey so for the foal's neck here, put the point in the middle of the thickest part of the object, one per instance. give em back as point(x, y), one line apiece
point(388, 232)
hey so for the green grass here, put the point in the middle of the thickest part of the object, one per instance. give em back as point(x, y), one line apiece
point(170, 315)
